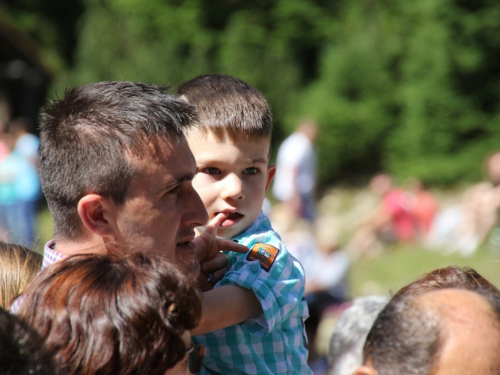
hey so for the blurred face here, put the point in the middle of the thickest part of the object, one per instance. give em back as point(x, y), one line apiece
point(494, 167)
point(162, 208)
point(232, 178)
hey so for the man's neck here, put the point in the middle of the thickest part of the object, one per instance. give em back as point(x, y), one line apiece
point(87, 246)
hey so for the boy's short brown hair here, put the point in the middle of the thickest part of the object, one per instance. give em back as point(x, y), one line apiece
point(227, 106)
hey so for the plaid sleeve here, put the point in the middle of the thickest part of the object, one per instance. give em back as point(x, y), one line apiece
point(277, 281)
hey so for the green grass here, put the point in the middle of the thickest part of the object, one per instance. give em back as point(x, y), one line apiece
point(399, 266)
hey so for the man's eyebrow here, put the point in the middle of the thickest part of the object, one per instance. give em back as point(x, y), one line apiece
point(179, 180)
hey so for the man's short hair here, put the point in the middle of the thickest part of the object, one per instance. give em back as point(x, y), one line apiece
point(104, 315)
point(407, 337)
point(228, 107)
point(86, 136)
point(22, 350)
point(349, 334)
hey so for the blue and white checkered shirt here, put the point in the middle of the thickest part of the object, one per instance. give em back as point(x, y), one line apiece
point(274, 342)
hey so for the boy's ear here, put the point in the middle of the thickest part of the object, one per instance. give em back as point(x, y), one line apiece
point(271, 171)
point(96, 214)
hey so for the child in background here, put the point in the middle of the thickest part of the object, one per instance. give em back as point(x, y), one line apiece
point(253, 319)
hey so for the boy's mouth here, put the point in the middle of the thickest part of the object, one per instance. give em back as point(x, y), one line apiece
point(232, 218)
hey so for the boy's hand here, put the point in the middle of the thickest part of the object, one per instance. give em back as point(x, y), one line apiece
point(208, 252)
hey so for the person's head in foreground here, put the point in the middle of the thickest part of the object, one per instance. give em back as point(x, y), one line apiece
point(349, 334)
point(22, 350)
point(18, 266)
point(115, 167)
point(126, 315)
point(438, 332)
point(231, 145)
point(448, 277)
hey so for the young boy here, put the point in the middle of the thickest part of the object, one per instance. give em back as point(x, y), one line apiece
point(252, 321)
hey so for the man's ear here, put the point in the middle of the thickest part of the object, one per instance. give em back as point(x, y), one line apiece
point(96, 214)
point(365, 370)
point(271, 171)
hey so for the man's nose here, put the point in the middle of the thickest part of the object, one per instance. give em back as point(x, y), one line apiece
point(195, 213)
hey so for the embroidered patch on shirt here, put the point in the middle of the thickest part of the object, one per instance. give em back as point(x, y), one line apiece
point(265, 254)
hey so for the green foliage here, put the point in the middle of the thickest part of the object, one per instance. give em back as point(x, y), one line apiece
point(171, 41)
point(407, 87)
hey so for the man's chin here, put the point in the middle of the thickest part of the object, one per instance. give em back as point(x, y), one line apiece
point(186, 258)
point(192, 269)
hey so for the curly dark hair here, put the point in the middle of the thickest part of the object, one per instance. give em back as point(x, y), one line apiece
point(22, 351)
point(103, 314)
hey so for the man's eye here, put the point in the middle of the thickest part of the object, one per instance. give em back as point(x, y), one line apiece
point(251, 170)
point(211, 170)
point(174, 190)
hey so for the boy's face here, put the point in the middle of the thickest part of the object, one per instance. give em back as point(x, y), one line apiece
point(232, 178)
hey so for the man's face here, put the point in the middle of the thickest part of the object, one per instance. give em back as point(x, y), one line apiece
point(162, 208)
point(232, 178)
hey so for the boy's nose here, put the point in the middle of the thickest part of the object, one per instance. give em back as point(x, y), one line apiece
point(233, 188)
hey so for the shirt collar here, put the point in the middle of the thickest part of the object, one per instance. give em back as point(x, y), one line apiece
point(50, 255)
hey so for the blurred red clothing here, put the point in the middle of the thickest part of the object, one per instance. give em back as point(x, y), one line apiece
point(424, 208)
point(396, 204)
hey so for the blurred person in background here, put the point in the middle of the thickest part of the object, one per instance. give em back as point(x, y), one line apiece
point(108, 314)
point(26, 182)
point(423, 207)
point(474, 223)
point(345, 353)
point(8, 171)
point(18, 266)
point(5, 150)
point(22, 350)
point(391, 221)
point(296, 170)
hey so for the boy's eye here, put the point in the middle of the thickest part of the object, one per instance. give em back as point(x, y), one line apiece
point(211, 170)
point(251, 170)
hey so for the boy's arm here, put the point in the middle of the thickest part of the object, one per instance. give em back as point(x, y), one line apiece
point(227, 306)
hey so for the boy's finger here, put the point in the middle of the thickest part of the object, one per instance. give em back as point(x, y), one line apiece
point(214, 224)
point(218, 275)
point(228, 245)
point(218, 262)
